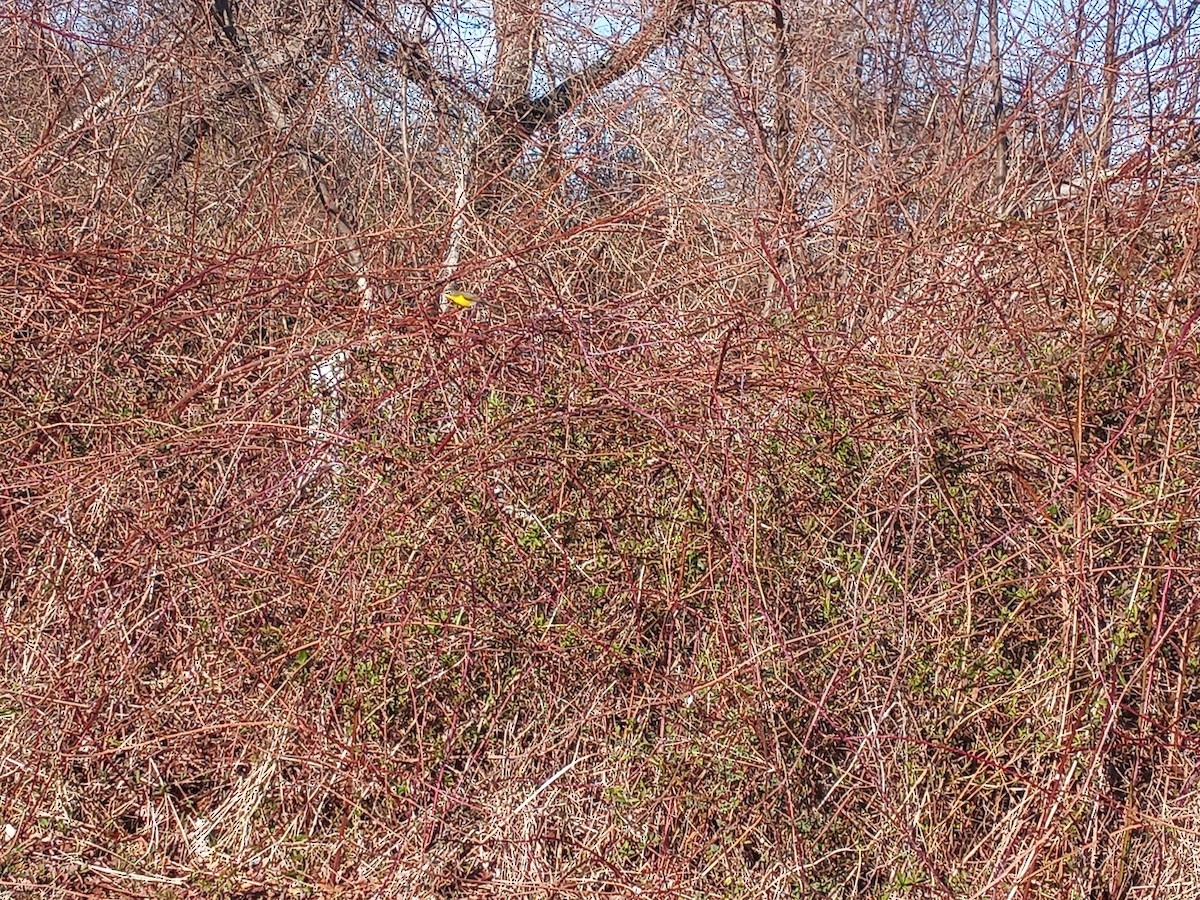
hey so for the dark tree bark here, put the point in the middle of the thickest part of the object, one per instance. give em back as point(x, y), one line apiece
point(1112, 65)
point(512, 114)
point(999, 127)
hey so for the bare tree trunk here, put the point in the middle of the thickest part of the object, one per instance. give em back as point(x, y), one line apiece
point(503, 134)
point(1104, 132)
point(967, 79)
point(781, 151)
point(783, 113)
point(999, 128)
point(512, 115)
point(327, 377)
point(1068, 110)
point(464, 153)
point(860, 59)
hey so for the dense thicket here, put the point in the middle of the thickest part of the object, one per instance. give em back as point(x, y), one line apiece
point(806, 508)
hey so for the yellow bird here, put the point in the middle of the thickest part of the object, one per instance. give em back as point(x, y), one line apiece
point(459, 297)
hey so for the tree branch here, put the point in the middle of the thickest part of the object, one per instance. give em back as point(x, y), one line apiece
point(547, 109)
point(411, 59)
point(1167, 35)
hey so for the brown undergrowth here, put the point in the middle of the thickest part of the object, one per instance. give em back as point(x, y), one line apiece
point(679, 567)
point(887, 591)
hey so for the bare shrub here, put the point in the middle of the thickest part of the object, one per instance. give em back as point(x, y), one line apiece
point(807, 508)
